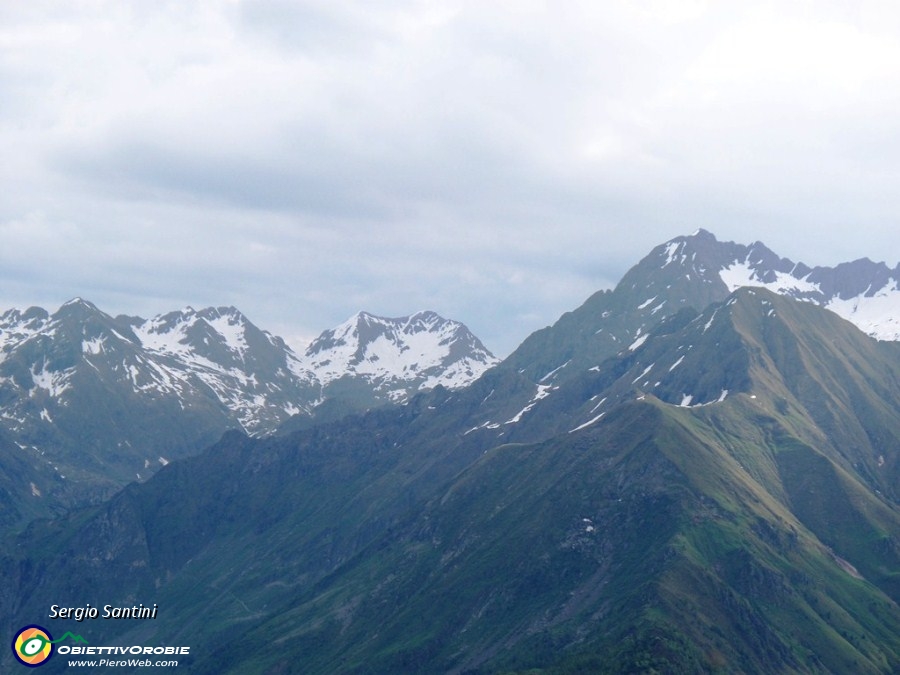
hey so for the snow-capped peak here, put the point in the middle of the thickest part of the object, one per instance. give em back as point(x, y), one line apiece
point(216, 359)
point(196, 332)
point(863, 292)
point(403, 354)
point(702, 269)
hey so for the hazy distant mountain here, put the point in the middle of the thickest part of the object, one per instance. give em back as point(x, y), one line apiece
point(93, 401)
point(717, 493)
point(397, 357)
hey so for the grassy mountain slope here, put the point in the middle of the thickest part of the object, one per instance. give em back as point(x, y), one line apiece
point(731, 510)
point(636, 544)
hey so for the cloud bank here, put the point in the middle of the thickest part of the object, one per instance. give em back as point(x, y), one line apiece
point(496, 162)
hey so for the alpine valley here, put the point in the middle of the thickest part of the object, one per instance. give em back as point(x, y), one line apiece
point(695, 472)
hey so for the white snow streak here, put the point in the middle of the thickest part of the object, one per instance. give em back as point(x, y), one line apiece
point(637, 343)
point(543, 391)
point(588, 423)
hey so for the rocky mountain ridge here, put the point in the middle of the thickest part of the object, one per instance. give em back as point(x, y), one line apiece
point(101, 400)
point(695, 271)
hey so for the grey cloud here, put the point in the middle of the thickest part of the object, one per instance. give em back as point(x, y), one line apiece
point(320, 28)
point(496, 163)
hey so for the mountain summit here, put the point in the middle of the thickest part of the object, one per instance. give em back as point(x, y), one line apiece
point(398, 356)
point(94, 401)
point(694, 271)
point(864, 292)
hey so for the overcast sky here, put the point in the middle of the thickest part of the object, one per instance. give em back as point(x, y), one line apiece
point(494, 161)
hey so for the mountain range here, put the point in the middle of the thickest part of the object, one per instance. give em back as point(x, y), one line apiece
point(683, 475)
point(93, 401)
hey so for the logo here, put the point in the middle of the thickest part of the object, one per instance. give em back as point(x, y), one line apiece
point(32, 646)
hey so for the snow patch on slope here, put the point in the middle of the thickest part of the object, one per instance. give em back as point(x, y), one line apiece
point(543, 391)
point(55, 382)
point(740, 273)
point(875, 313)
point(878, 314)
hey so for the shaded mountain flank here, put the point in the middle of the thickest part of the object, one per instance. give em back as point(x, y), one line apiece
point(720, 498)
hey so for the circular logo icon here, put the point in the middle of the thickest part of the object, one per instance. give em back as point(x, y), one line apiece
point(32, 646)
